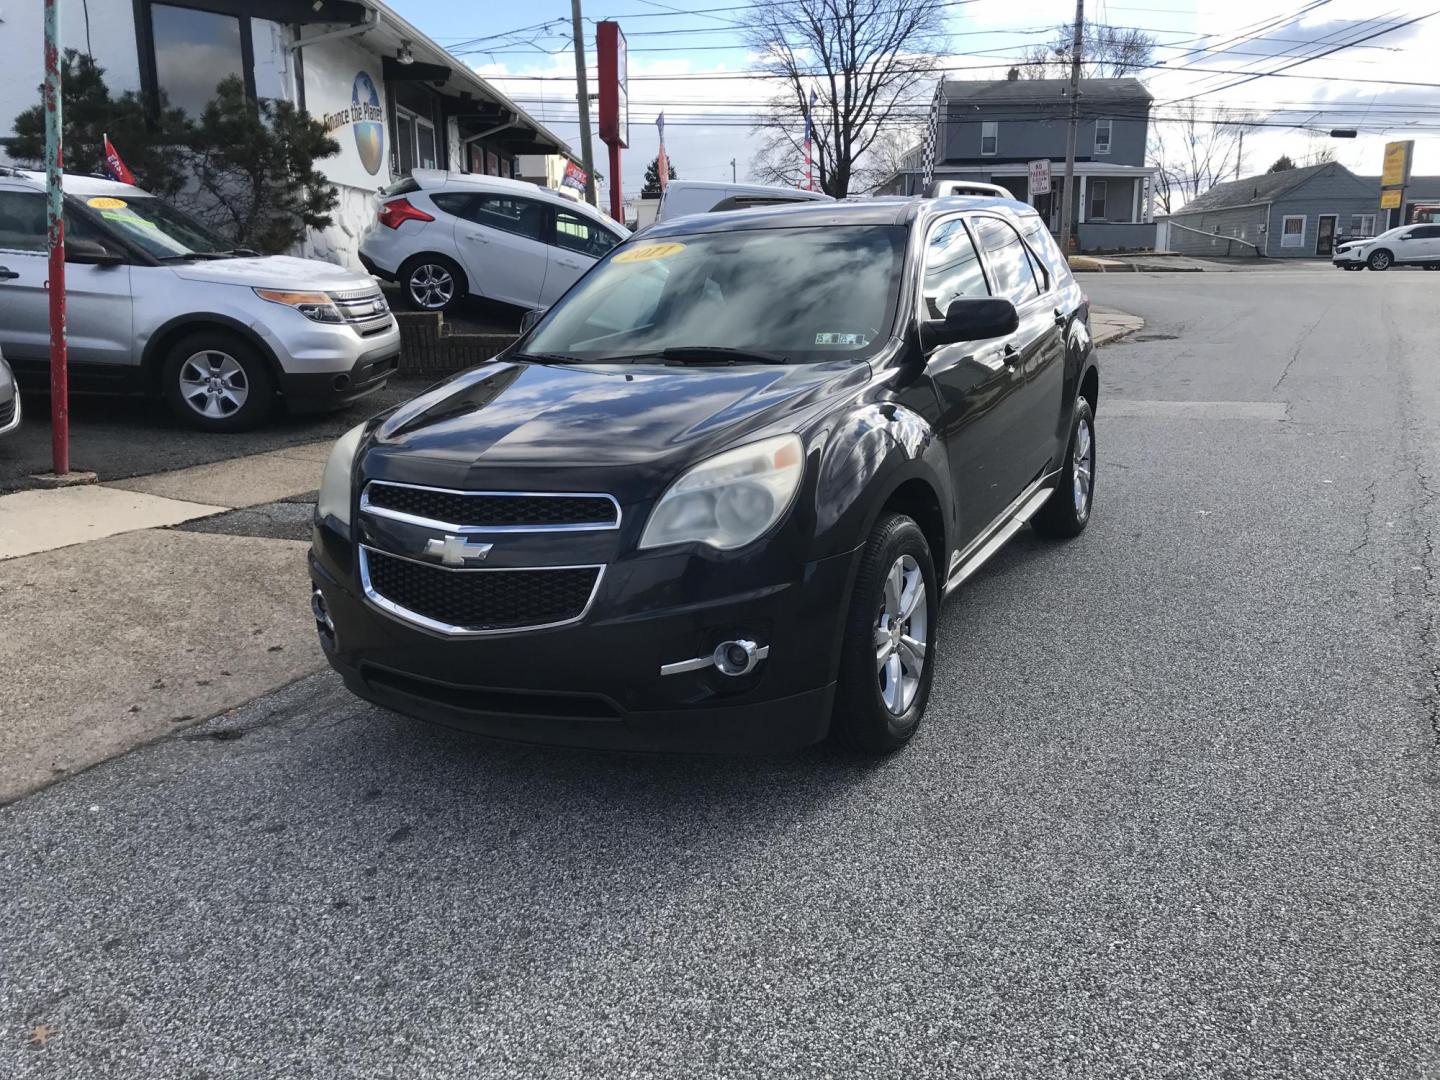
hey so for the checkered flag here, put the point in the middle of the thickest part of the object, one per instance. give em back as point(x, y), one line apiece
point(932, 139)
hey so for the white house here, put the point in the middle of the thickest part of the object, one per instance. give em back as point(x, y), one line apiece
point(392, 98)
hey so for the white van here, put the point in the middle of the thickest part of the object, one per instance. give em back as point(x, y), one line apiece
point(703, 196)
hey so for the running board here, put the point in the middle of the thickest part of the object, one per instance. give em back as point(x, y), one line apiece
point(987, 544)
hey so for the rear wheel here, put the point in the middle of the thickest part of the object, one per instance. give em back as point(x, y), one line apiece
point(217, 381)
point(1380, 260)
point(887, 660)
point(431, 283)
point(1067, 511)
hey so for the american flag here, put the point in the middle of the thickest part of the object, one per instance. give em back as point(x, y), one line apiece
point(932, 140)
point(809, 127)
point(662, 163)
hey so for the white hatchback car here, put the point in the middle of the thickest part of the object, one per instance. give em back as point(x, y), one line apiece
point(443, 235)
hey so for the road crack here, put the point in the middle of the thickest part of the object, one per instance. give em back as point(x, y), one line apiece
point(1299, 344)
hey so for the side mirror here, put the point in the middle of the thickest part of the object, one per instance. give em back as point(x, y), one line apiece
point(970, 320)
point(90, 253)
point(530, 318)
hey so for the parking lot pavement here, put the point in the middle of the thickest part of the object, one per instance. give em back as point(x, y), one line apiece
point(117, 437)
point(1172, 811)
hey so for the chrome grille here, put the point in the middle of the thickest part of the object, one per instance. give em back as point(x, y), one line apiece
point(491, 510)
point(359, 307)
point(456, 601)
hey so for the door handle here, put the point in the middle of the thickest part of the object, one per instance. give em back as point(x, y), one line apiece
point(480, 237)
point(1011, 355)
point(569, 265)
point(6, 274)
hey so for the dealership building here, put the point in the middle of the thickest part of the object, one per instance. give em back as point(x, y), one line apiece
point(393, 99)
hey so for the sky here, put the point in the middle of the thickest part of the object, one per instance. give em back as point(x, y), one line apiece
point(688, 58)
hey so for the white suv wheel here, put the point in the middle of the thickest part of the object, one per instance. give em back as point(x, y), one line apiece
point(214, 384)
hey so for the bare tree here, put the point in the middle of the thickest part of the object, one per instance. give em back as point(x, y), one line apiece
point(1107, 52)
point(1192, 154)
point(870, 62)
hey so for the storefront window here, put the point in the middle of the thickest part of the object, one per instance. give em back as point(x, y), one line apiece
point(194, 52)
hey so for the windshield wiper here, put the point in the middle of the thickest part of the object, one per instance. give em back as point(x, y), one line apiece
point(718, 354)
point(191, 256)
point(246, 253)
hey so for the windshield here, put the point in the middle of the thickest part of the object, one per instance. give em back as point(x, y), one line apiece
point(156, 227)
point(801, 294)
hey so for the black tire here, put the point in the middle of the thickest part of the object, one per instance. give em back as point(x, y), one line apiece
point(1064, 514)
point(433, 276)
point(1380, 260)
point(862, 720)
point(242, 398)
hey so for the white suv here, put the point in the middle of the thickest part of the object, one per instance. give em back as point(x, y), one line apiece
point(157, 304)
point(1409, 245)
point(443, 235)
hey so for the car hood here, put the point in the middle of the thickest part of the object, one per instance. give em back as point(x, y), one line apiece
point(275, 272)
point(515, 425)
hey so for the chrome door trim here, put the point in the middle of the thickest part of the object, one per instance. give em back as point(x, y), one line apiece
point(413, 519)
point(995, 535)
point(414, 618)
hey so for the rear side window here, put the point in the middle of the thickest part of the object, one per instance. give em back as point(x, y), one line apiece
point(1044, 245)
point(952, 268)
point(1009, 262)
point(453, 202)
point(22, 221)
point(509, 214)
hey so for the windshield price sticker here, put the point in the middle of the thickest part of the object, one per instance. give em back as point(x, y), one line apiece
point(647, 252)
point(841, 339)
point(104, 202)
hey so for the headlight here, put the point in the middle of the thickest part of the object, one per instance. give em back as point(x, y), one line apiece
point(315, 306)
point(731, 499)
point(334, 501)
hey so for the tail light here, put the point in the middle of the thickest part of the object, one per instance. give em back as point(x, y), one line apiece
point(398, 211)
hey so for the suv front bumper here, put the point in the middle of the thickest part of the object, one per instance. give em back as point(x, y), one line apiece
point(597, 682)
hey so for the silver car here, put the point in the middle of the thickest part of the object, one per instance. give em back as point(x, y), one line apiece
point(157, 304)
point(9, 399)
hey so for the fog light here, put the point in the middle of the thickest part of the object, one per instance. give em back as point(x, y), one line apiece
point(736, 657)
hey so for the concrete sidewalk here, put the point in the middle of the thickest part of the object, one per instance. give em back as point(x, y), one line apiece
point(133, 614)
point(1108, 326)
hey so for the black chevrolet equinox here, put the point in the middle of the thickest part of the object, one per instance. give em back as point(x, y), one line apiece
point(715, 496)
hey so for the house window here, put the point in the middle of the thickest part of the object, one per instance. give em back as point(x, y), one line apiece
point(1292, 231)
point(1102, 136)
point(1096, 211)
point(194, 52)
point(989, 138)
point(1362, 226)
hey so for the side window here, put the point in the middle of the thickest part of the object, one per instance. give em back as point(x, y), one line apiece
point(1043, 244)
point(1426, 232)
point(453, 202)
point(574, 233)
point(952, 268)
point(1014, 279)
point(22, 221)
point(508, 214)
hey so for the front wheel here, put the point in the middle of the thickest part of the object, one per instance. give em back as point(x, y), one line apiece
point(1380, 260)
point(1067, 511)
point(887, 659)
point(216, 381)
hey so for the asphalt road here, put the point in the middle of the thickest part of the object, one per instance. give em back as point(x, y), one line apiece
point(1172, 812)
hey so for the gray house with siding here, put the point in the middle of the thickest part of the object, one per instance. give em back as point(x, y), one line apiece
point(1299, 213)
point(991, 130)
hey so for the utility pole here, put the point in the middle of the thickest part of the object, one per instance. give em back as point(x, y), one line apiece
point(1240, 154)
point(1070, 134)
point(732, 170)
point(583, 97)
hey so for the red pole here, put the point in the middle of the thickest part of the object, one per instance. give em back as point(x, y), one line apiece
point(617, 211)
point(55, 237)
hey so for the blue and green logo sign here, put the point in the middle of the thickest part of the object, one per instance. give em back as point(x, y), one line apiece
point(368, 119)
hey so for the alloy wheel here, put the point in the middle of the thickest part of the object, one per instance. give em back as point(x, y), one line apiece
point(1084, 468)
point(431, 286)
point(214, 384)
point(902, 633)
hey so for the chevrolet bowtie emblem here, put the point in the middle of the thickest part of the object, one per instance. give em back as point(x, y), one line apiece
point(456, 550)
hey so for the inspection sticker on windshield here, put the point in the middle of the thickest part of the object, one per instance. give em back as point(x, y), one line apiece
point(646, 252)
point(841, 339)
point(104, 202)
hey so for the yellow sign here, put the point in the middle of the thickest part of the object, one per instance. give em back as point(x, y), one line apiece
point(1397, 164)
point(646, 252)
point(1390, 200)
point(103, 203)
